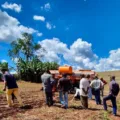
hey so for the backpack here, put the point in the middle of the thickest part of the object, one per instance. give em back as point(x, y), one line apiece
point(115, 89)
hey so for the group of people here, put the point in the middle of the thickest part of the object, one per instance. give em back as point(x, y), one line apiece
point(88, 86)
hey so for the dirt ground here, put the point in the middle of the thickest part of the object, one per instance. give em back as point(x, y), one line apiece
point(31, 94)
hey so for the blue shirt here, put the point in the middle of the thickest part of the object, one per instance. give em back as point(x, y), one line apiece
point(10, 80)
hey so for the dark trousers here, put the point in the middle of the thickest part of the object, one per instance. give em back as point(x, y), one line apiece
point(84, 101)
point(113, 100)
point(97, 96)
point(49, 98)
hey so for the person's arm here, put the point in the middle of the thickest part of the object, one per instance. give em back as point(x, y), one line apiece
point(86, 92)
point(101, 84)
point(91, 84)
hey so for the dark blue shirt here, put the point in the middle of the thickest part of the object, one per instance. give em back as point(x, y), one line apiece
point(11, 81)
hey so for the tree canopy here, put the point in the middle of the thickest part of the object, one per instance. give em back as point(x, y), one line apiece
point(29, 67)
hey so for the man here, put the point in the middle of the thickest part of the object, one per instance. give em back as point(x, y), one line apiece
point(64, 86)
point(114, 90)
point(11, 87)
point(96, 85)
point(48, 82)
point(84, 87)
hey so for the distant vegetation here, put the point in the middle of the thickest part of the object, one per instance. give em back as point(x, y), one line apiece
point(29, 67)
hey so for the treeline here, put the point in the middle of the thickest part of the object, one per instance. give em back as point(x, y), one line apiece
point(32, 70)
point(29, 67)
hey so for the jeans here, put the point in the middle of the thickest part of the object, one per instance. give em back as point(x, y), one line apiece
point(90, 93)
point(63, 98)
point(97, 96)
point(49, 98)
point(113, 100)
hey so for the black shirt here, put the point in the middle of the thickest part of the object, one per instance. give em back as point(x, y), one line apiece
point(11, 82)
point(64, 84)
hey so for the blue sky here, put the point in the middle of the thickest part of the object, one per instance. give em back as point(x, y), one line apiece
point(78, 24)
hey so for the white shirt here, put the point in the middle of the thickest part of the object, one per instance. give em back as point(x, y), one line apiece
point(97, 84)
point(77, 92)
point(84, 83)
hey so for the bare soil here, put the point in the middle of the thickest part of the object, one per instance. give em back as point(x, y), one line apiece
point(31, 95)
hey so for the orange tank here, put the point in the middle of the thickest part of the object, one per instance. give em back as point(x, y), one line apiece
point(65, 69)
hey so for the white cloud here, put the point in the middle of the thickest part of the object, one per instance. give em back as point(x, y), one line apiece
point(41, 18)
point(10, 28)
point(52, 47)
point(46, 7)
point(110, 63)
point(79, 54)
point(50, 26)
point(39, 34)
point(4, 61)
point(14, 6)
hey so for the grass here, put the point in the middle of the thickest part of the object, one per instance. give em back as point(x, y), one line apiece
point(1, 92)
point(103, 115)
point(118, 105)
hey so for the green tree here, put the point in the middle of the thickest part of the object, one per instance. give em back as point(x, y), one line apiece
point(3, 65)
point(28, 65)
point(23, 47)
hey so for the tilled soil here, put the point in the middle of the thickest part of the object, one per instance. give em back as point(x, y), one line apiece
point(31, 95)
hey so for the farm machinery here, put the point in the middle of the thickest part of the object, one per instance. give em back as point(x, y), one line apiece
point(73, 75)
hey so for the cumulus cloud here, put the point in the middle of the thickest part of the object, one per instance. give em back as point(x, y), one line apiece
point(41, 18)
point(110, 63)
point(50, 26)
point(79, 54)
point(10, 28)
point(46, 7)
point(53, 48)
point(14, 6)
